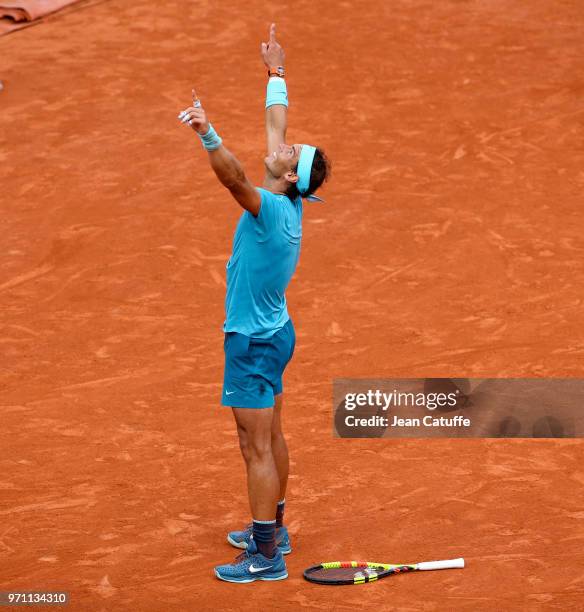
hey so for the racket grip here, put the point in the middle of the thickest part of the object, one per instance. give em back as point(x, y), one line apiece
point(437, 565)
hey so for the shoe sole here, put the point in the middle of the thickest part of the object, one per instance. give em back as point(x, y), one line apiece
point(247, 581)
point(243, 546)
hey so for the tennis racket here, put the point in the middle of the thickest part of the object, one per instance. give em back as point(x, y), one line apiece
point(360, 572)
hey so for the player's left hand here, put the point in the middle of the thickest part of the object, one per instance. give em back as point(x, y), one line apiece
point(195, 116)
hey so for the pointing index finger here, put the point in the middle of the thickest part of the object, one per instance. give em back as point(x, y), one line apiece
point(273, 33)
point(196, 101)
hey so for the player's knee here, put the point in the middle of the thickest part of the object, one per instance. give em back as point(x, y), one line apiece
point(277, 436)
point(254, 448)
point(243, 443)
point(245, 450)
point(259, 447)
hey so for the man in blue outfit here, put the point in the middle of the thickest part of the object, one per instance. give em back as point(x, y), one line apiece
point(259, 335)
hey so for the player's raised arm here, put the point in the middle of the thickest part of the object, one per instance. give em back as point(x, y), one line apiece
point(276, 94)
point(227, 167)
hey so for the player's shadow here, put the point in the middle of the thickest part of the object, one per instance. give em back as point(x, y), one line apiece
point(513, 408)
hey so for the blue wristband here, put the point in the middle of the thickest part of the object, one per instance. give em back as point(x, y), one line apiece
point(211, 140)
point(276, 92)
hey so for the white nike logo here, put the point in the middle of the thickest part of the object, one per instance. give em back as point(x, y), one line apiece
point(229, 392)
point(255, 570)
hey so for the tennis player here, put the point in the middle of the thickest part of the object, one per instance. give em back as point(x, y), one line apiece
point(259, 334)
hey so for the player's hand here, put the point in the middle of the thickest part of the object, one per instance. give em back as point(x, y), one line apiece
point(195, 116)
point(272, 53)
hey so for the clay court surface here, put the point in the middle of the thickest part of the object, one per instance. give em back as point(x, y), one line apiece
point(451, 244)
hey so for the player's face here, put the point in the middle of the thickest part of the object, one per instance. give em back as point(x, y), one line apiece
point(283, 159)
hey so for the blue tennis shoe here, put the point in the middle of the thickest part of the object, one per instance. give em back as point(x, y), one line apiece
point(252, 565)
point(240, 539)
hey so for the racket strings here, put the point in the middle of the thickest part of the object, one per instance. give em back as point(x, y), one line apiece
point(357, 572)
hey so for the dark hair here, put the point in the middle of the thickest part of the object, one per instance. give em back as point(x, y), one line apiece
point(321, 172)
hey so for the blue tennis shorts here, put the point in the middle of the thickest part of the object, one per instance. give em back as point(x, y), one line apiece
point(254, 367)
